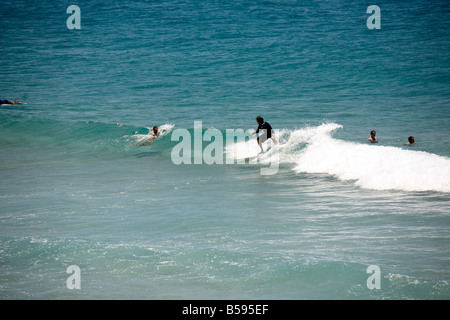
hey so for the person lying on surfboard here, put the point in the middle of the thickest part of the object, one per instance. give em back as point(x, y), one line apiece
point(155, 133)
point(2, 101)
point(267, 132)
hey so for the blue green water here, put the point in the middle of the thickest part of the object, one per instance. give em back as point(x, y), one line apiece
point(76, 190)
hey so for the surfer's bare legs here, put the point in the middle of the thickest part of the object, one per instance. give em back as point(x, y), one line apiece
point(259, 141)
point(274, 139)
point(260, 145)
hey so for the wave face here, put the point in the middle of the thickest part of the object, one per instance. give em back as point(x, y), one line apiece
point(306, 150)
point(77, 138)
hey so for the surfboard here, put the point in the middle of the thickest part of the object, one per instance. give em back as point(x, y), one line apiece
point(250, 153)
point(253, 157)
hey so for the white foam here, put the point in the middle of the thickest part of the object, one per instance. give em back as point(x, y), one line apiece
point(370, 166)
point(165, 129)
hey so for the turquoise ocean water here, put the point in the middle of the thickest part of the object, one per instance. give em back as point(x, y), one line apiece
point(76, 190)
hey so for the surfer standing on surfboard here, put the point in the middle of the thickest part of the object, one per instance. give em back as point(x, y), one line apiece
point(267, 132)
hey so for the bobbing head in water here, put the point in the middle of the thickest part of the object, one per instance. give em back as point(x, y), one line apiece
point(410, 140)
point(372, 137)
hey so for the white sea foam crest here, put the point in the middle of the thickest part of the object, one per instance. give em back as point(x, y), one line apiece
point(369, 166)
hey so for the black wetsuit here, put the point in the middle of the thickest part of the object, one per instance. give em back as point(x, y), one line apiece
point(267, 129)
point(5, 101)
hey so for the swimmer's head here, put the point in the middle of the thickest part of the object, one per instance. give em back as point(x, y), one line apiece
point(373, 133)
point(155, 129)
point(411, 139)
point(260, 120)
